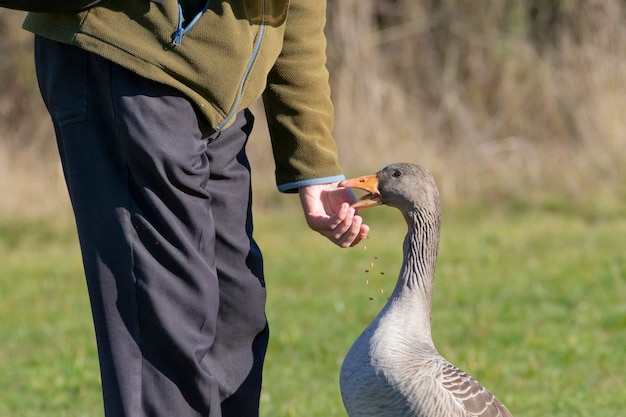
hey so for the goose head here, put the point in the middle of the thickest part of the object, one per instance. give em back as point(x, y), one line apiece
point(407, 187)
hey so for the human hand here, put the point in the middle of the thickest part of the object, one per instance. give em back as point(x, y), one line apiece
point(327, 211)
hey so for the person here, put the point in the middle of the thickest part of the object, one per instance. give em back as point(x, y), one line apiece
point(149, 100)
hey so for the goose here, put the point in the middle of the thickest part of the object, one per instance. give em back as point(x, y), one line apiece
point(393, 368)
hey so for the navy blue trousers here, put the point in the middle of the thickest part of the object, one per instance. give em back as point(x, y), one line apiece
point(163, 210)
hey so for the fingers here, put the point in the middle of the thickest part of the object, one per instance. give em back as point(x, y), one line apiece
point(342, 225)
point(343, 221)
point(346, 228)
point(363, 232)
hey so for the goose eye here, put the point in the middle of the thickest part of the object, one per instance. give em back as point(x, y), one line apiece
point(396, 174)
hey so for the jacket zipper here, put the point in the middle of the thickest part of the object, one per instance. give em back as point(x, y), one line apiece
point(255, 52)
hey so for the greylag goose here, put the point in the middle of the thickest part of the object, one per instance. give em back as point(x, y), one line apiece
point(393, 369)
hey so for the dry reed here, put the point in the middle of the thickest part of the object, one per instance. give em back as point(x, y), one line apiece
point(501, 100)
point(476, 92)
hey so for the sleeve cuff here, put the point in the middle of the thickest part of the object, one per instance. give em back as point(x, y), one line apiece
point(292, 187)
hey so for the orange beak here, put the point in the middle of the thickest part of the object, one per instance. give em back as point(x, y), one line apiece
point(367, 183)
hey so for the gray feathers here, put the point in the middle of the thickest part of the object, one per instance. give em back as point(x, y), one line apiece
point(393, 368)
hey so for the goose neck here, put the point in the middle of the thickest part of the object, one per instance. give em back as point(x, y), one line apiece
point(421, 245)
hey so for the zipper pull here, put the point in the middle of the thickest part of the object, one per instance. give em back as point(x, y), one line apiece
point(177, 36)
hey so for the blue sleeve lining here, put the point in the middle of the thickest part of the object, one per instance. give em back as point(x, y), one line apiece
point(292, 187)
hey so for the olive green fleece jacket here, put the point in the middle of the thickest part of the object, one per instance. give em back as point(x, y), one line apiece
point(238, 51)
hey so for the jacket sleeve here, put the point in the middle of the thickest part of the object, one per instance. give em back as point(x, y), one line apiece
point(297, 100)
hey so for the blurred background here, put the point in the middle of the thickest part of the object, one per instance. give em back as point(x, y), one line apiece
point(504, 101)
point(501, 99)
point(519, 110)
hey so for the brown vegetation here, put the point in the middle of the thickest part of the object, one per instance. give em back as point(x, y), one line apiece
point(501, 100)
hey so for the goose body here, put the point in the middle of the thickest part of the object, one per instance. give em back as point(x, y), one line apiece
point(393, 368)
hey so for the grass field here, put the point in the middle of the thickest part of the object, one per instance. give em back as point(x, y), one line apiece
point(530, 301)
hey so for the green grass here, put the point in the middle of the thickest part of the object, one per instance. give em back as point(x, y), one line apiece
point(47, 351)
point(530, 302)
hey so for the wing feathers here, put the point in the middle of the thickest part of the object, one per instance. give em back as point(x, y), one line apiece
point(477, 401)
